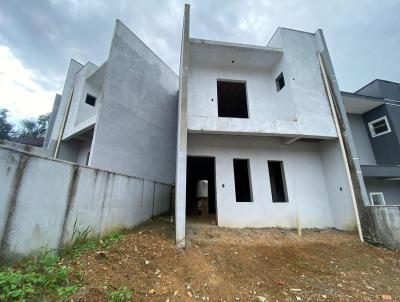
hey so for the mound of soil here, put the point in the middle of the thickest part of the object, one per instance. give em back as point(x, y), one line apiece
point(222, 264)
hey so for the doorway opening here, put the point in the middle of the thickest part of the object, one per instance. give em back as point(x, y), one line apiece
point(198, 169)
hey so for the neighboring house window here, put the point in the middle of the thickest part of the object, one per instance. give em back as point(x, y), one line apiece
point(232, 99)
point(278, 182)
point(280, 82)
point(377, 198)
point(90, 100)
point(241, 172)
point(379, 126)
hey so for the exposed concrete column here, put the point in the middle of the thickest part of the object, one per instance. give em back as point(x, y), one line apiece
point(354, 165)
point(181, 156)
point(56, 128)
point(54, 112)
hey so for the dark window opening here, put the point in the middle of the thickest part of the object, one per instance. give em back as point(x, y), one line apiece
point(241, 172)
point(87, 158)
point(90, 100)
point(232, 99)
point(200, 168)
point(380, 127)
point(277, 180)
point(280, 82)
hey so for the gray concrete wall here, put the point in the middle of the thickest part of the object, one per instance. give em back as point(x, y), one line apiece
point(385, 225)
point(361, 139)
point(372, 89)
point(394, 119)
point(41, 198)
point(135, 132)
point(311, 177)
point(381, 88)
point(337, 185)
point(84, 149)
point(390, 90)
point(69, 150)
point(27, 148)
point(389, 188)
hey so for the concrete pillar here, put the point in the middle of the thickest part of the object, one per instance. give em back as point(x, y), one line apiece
point(181, 157)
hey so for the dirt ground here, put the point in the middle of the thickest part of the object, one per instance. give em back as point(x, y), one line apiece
point(222, 264)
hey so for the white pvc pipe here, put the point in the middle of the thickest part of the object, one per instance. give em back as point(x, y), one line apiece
point(346, 163)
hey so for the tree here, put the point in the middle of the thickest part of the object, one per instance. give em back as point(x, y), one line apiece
point(6, 128)
point(43, 122)
point(34, 127)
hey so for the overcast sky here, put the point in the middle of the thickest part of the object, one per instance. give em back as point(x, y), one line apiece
point(38, 38)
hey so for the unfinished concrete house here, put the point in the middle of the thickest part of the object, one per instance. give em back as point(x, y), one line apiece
point(256, 123)
point(251, 136)
point(120, 116)
point(109, 156)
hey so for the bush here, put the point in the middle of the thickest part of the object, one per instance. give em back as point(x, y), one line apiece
point(36, 278)
point(120, 295)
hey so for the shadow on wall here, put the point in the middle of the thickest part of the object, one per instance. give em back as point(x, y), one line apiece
point(43, 199)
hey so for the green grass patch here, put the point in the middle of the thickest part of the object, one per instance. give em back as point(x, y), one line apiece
point(120, 295)
point(36, 278)
point(95, 243)
point(47, 277)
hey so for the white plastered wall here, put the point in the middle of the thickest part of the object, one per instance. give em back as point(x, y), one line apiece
point(361, 140)
point(308, 194)
point(81, 115)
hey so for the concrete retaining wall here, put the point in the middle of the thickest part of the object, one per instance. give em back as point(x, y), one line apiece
point(41, 198)
point(27, 148)
point(384, 225)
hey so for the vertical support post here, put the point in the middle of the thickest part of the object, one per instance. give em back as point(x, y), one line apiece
point(181, 156)
point(63, 125)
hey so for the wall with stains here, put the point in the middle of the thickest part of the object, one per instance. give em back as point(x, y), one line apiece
point(41, 198)
point(384, 225)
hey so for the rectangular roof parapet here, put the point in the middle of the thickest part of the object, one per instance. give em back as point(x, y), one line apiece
point(238, 45)
point(376, 80)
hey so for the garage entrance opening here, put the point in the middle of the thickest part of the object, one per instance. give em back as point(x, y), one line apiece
point(198, 169)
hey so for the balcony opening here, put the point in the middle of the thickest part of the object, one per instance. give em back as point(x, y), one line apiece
point(277, 180)
point(232, 99)
point(241, 170)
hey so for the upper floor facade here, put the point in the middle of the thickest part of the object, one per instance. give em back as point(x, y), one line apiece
point(374, 116)
point(273, 90)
